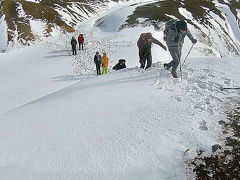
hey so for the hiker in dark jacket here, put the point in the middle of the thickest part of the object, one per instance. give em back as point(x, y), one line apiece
point(174, 34)
point(80, 41)
point(74, 45)
point(144, 45)
point(98, 62)
point(120, 65)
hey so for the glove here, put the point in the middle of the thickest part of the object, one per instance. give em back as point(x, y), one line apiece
point(194, 41)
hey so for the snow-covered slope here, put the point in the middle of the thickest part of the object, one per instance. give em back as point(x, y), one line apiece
point(130, 124)
point(58, 120)
point(29, 73)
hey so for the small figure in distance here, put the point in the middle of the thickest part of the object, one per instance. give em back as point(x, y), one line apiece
point(80, 41)
point(74, 45)
point(105, 61)
point(98, 62)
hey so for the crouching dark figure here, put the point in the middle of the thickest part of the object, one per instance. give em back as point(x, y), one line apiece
point(120, 65)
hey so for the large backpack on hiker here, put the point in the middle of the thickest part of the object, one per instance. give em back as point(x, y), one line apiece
point(80, 38)
point(142, 39)
point(73, 42)
point(168, 25)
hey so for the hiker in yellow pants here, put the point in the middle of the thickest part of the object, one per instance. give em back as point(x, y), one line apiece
point(104, 63)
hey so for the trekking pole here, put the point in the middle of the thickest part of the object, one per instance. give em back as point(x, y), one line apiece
point(181, 70)
point(181, 65)
point(229, 88)
point(187, 55)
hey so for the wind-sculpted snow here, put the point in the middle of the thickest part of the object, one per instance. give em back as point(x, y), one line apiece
point(129, 124)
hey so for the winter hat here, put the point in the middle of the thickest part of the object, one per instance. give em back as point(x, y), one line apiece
point(181, 25)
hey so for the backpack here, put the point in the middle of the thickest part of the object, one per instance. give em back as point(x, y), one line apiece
point(142, 40)
point(73, 42)
point(80, 38)
point(168, 26)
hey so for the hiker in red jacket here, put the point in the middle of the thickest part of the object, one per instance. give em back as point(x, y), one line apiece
point(80, 41)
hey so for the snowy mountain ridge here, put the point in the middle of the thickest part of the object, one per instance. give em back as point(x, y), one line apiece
point(24, 22)
point(217, 21)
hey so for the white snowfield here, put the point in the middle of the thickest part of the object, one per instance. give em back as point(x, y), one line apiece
point(58, 120)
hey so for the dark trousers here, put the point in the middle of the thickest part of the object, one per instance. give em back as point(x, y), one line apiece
point(80, 45)
point(74, 51)
point(145, 58)
point(176, 56)
point(98, 70)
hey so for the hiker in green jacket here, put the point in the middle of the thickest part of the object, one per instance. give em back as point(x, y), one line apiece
point(174, 34)
point(74, 44)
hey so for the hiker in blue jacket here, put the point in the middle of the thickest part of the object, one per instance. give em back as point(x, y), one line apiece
point(98, 62)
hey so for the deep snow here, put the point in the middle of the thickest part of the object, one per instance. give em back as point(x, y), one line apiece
point(129, 124)
point(60, 121)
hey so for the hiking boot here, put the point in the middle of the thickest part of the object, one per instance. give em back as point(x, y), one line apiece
point(165, 66)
